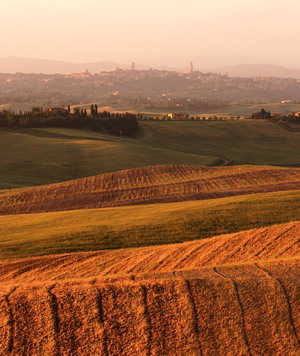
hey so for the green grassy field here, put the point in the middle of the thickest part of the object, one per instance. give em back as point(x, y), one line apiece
point(88, 230)
point(42, 156)
point(247, 142)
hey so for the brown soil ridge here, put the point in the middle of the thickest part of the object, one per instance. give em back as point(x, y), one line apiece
point(234, 294)
point(252, 246)
point(149, 185)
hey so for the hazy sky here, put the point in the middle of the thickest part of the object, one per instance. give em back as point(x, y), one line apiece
point(125, 30)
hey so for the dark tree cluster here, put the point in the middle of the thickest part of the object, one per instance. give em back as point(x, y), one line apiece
point(125, 124)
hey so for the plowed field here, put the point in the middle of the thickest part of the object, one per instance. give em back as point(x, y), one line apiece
point(167, 300)
point(156, 184)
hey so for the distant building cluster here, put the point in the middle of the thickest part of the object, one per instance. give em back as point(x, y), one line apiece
point(178, 116)
point(171, 90)
point(57, 110)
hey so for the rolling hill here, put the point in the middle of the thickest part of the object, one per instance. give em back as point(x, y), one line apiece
point(44, 156)
point(32, 157)
point(192, 304)
point(156, 184)
point(269, 243)
point(258, 70)
point(34, 65)
point(172, 259)
point(111, 228)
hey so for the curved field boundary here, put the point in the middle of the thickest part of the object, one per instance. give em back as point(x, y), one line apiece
point(157, 184)
point(236, 310)
point(270, 243)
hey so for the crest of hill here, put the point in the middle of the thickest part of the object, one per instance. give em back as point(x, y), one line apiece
point(276, 242)
point(259, 70)
point(149, 185)
point(34, 65)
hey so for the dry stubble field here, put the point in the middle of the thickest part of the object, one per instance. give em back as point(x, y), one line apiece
point(200, 298)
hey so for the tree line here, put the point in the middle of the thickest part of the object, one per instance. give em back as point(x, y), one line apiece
point(124, 124)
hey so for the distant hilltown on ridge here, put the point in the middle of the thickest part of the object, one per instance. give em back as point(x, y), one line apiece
point(147, 88)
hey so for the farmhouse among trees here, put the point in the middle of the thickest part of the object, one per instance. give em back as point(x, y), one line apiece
point(262, 115)
point(178, 116)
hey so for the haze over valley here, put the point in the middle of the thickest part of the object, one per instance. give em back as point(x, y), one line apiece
point(234, 66)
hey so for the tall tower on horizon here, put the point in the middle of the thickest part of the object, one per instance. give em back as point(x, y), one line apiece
point(191, 67)
point(133, 66)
